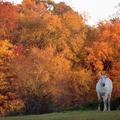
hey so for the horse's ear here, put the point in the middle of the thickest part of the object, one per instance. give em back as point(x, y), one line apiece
point(108, 75)
point(107, 65)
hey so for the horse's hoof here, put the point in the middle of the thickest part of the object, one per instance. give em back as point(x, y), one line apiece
point(104, 110)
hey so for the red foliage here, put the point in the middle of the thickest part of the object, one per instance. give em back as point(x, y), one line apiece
point(8, 19)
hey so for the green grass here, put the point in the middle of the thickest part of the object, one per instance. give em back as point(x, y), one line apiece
point(73, 115)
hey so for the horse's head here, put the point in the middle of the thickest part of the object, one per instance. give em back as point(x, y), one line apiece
point(103, 80)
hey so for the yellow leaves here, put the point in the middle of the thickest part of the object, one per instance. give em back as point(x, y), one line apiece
point(73, 21)
point(77, 43)
point(54, 23)
point(3, 98)
point(56, 28)
point(5, 48)
point(9, 100)
point(43, 56)
point(52, 69)
point(53, 64)
point(83, 78)
point(16, 105)
point(77, 86)
point(59, 65)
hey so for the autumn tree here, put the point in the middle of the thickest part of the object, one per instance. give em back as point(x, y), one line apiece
point(32, 22)
point(8, 20)
point(50, 59)
point(103, 53)
point(10, 101)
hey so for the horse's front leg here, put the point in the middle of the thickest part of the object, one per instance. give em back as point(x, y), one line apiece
point(105, 102)
point(99, 101)
point(109, 97)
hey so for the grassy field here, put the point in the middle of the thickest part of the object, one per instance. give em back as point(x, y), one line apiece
point(75, 115)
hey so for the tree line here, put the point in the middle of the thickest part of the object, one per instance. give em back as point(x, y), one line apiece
point(50, 59)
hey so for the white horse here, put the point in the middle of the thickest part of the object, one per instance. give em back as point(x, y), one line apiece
point(104, 89)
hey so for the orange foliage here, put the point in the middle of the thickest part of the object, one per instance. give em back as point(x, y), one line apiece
point(10, 101)
point(50, 59)
point(8, 20)
point(103, 53)
point(98, 54)
point(73, 21)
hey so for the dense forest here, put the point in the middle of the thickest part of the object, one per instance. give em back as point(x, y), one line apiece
point(50, 59)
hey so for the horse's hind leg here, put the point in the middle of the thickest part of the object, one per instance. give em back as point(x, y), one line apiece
point(109, 97)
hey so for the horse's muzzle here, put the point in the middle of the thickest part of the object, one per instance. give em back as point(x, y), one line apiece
point(103, 84)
